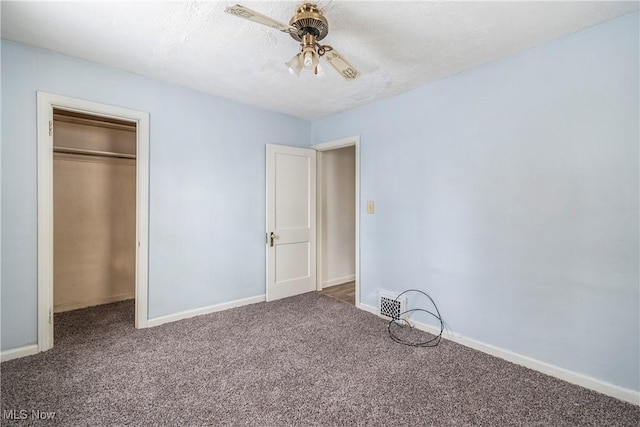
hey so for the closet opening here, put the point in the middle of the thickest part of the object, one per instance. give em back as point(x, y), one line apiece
point(94, 211)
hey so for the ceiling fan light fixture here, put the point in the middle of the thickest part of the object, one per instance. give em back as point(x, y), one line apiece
point(309, 54)
point(295, 65)
point(311, 58)
point(308, 58)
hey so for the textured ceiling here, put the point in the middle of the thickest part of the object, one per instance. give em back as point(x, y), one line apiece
point(396, 45)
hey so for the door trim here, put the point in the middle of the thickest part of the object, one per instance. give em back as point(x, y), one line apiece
point(326, 146)
point(46, 102)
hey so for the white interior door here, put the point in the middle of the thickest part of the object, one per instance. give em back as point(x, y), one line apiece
point(291, 221)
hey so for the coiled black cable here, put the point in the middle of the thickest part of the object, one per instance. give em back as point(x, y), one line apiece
point(433, 342)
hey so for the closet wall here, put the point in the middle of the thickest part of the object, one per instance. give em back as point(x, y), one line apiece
point(94, 211)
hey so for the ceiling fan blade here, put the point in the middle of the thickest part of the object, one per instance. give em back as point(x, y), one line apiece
point(340, 64)
point(252, 15)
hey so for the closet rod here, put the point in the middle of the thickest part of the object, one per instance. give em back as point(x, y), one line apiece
point(93, 153)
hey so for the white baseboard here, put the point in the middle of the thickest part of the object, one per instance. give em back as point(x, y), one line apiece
point(60, 308)
point(371, 309)
point(15, 353)
point(591, 383)
point(204, 310)
point(339, 281)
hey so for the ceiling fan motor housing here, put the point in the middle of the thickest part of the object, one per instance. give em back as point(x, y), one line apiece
point(309, 20)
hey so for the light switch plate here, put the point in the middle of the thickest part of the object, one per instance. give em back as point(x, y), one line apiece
point(370, 207)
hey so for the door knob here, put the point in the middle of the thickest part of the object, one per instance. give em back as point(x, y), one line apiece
point(272, 237)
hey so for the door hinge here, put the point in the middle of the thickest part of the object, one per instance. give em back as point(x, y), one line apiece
point(50, 317)
point(50, 127)
point(266, 237)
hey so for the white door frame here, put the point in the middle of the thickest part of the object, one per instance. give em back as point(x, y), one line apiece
point(46, 103)
point(326, 146)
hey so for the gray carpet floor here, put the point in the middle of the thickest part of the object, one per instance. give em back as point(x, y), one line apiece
point(306, 360)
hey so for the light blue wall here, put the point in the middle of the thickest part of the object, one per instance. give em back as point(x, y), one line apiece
point(510, 194)
point(207, 184)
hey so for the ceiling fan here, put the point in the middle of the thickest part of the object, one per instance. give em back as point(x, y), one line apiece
point(308, 26)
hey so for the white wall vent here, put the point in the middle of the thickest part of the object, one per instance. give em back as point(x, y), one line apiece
point(390, 307)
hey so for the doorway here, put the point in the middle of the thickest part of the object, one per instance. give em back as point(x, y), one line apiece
point(338, 198)
point(298, 266)
point(71, 107)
